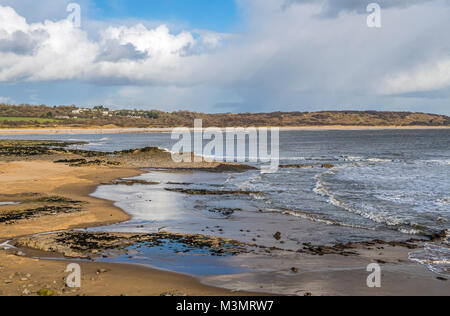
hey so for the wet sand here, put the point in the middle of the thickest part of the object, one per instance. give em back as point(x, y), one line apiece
point(76, 183)
point(27, 181)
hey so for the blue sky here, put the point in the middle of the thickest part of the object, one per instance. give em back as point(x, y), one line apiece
point(227, 55)
point(215, 15)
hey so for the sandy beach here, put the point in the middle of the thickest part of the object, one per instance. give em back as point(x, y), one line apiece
point(98, 130)
point(38, 183)
point(26, 181)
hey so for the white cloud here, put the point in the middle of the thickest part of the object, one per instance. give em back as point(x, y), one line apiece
point(431, 76)
point(4, 99)
point(285, 58)
point(62, 52)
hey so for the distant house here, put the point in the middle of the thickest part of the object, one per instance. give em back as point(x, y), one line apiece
point(79, 111)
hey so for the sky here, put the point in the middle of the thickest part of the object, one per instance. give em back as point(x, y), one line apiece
point(227, 55)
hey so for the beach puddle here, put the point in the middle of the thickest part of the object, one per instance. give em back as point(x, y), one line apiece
point(177, 257)
point(9, 203)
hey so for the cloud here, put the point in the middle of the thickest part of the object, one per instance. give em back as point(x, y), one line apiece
point(121, 54)
point(18, 43)
point(287, 57)
point(332, 8)
point(113, 51)
point(309, 63)
point(431, 76)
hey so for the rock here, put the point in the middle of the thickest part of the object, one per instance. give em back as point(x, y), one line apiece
point(327, 166)
point(277, 236)
point(8, 281)
point(442, 279)
point(297, 167)
point(295, 270)
point(308, 294)
point(26, 292)
point(19, 253)
point(101, 271)
point(45, 292)
point(443, 235)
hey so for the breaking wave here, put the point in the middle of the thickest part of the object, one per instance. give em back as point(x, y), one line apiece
point(391, 222)
point(436, 257)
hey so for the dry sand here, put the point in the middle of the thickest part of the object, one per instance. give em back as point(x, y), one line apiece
point(47, 178)
point(328, 275)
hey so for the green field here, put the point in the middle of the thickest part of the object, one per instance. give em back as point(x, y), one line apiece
point(28, 119)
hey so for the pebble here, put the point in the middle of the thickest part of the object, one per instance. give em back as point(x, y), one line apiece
point(277, 236)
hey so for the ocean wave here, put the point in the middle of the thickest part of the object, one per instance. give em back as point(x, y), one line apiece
point(92, 144)
point(314, 218)
point(362, 159)
point(309, 158)
point(445, 200)
point(379, 160)
point(442, 162)
point(392, 222)
point(435, 256)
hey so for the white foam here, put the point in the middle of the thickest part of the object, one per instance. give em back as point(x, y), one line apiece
point(379, 160)
point(322, 220)
point(444, 162)
point(435, 256)
point(362, 159)
point(445, 200)
point(375, 217)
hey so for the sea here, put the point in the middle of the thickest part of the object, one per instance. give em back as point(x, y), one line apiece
point(384, 184)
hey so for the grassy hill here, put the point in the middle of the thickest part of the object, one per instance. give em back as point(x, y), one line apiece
point(25, 116)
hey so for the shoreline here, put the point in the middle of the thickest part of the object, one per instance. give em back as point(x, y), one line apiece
point(88, 130)
point(78, 183)
point(42, 176)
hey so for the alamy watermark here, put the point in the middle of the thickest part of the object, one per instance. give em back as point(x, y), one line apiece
point(374, 279)
point(374, 18)
point(233, 145)
point(73, 280)
point(74, 10)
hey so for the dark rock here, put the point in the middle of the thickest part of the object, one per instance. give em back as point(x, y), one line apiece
point(210, 192)
point(296, 166)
